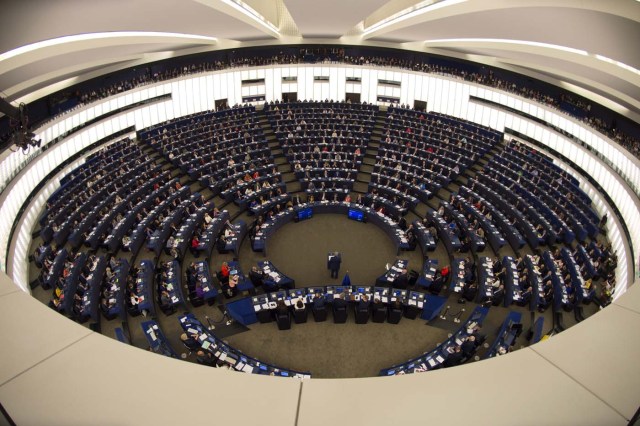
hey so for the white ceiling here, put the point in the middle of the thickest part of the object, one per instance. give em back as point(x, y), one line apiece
point(557, 40)
point(330, 18)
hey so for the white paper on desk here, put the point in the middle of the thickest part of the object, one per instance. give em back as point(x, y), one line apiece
point(431, 362)
point(273, 274)
point(439, 358)
point(265, 306)
point(206, 344)
point(247, 368)
point(152, 334)
point(420, 304)
point(223, 356)
point(174, 299)
point(412, 302)
point(272, 305)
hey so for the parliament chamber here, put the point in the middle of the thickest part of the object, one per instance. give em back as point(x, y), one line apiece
point(331, 214)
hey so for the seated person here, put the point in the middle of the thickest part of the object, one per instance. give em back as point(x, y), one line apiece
point(223, 274)
point(318, 301)
point(469, 346)
point(230, 288)
point(469, 291)
point(299, 305)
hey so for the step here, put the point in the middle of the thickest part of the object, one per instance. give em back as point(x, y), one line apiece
point(360, 186)
point(366, 168)
point(294, 186)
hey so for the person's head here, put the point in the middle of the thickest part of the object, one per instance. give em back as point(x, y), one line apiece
point(184, 337)
point(299, 304)
point(365, 298)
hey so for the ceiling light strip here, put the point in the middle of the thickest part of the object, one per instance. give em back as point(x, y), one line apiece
point(250, 12)
point(99, 36)
point(410, 12)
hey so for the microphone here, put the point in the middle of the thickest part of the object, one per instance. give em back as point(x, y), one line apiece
point(444, 314)
point(211, 326)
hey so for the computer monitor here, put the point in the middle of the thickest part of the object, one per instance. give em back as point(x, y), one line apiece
point(355, 214)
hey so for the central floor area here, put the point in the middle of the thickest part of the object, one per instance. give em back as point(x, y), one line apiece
point(300, 250)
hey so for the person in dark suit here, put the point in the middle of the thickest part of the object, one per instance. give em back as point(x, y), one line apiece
point(318, 301)
point(402, 280)
point(256, 276)
point(363, 304)
point(469, 346)
point(334, 264)
point(454, 358)
point(378, 305)
point(339, 302)
point(281, 308)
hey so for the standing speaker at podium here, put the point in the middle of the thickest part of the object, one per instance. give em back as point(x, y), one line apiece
point(333, 263)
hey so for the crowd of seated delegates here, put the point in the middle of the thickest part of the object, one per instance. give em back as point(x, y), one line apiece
point(518, 212)
point(495, 285)
point(135, 288)
point(421, 152)
point(546, 233)
point(113, 287)
point(113, 229)
point(454, 228)
point(190, 232)
point(85, 298)
point(597, 261)
point(472, 235)
point(207, 233)
point(474, 228)
point(109, 205)
point(324, 142)
point(557, 183)
point(169, 290)
point(64, 284)
point(226, 151)
point(460, 353)
point(545, 292)
point(93, 187)
point(149, 222)
point(578, 109)
point(557, 213)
